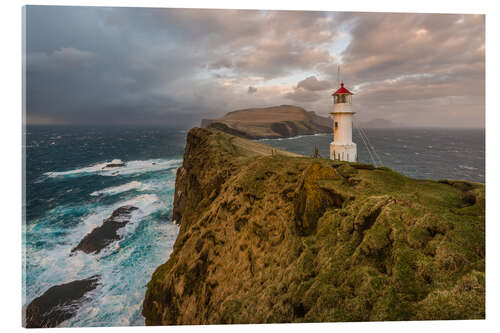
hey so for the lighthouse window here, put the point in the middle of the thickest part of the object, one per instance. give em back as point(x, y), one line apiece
point(341, 99)
point(336, 124)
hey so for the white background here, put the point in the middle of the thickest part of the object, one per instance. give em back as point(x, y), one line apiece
point(10, 154)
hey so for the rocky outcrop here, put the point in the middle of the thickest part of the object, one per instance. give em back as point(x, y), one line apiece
point(105, 234)
point(269, 237)
point(116, 163)
point(59, 303)
point(273, 122)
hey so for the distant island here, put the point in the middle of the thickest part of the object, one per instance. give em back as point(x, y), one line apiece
point(281, 121)
point(274, 122)
point(268, 236)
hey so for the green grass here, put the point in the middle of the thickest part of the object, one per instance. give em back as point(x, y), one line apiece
point(297, 239)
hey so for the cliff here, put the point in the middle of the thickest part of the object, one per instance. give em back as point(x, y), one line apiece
point(273, 122)
point(270, 237)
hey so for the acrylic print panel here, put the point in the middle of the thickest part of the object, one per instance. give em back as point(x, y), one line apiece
point(191, 166)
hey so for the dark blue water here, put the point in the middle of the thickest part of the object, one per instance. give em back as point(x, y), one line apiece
point(68, 194)
point(418, 153)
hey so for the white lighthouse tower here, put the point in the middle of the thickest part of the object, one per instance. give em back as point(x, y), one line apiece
point(342, 148)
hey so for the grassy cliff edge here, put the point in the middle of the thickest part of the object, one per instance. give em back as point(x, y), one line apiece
point(269, 236)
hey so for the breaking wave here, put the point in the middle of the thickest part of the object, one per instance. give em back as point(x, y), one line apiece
point(466, 167)
point(126, 265)
point(130, 168)
point(134, 185)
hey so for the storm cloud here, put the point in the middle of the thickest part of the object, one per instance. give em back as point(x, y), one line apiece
point(98, 65)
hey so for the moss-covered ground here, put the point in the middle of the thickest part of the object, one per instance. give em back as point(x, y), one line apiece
point(267, 236)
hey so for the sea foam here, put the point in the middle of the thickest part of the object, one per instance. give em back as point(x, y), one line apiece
point(56, 264)
point(131, 167)
point(134, 185)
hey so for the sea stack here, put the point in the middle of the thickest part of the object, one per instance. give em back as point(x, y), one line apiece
point(342, 148)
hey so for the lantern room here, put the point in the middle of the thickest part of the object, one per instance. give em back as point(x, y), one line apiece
point(342, 95)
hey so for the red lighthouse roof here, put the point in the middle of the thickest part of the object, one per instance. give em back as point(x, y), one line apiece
point(342, 90)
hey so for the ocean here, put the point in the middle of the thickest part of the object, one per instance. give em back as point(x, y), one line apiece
point(418, 153)
point(68, 193)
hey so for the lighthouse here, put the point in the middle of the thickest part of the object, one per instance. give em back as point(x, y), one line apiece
point(342, 148)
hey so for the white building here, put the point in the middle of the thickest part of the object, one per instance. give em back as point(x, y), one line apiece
point(342, 148)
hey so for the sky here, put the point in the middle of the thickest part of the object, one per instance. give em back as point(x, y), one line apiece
point(173, 67)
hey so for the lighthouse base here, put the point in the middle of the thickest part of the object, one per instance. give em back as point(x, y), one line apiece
point(346, 153)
